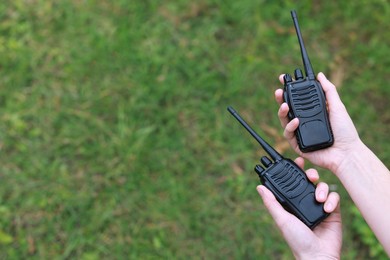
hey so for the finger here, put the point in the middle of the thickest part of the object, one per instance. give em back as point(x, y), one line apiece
point(290, 128)
point(300, 162)
point(282, 114)
point(322, 191)
point(278, 213)
point(281, 78)
point(332, 202)
point(279, 96)
point(331, 93)
point(312, 175)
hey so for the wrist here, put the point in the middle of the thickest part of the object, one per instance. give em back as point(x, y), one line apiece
point(318, 257)
point(350, 157)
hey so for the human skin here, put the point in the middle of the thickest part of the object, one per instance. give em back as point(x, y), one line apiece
point(325, 241)
point(364, 176)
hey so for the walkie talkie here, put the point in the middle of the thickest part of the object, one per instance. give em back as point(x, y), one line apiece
point(287, 182)
point(306, 100)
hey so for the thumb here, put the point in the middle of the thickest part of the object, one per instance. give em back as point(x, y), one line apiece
point(293, 230)
point(278, 213)
point(331, 93)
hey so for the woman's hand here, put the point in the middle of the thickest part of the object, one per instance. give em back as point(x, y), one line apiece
point(326, 239)
point(345, 135)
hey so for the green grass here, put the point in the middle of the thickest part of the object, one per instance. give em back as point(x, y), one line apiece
point(114, 135)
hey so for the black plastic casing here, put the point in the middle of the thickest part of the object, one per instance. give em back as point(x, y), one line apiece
point(286, 181)
point(293, 190)
point(306, 101)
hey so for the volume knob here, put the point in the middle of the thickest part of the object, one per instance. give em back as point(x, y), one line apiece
point(266, 162)
point(298, 74)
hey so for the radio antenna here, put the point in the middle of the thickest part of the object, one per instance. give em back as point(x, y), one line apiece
point(305, 57)
point(271, 151)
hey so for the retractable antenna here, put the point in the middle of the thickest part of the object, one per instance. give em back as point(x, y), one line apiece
point(305, 57)
point(271, 151)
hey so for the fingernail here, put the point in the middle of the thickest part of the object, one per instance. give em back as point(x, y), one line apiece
point(328, 206)
point(260, 190)
point(321, 195)
point(322, 75)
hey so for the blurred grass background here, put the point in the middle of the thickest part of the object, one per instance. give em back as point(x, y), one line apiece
point(114, 135)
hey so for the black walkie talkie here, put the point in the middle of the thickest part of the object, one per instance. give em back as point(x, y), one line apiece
point(287, 182)
point(306, 100)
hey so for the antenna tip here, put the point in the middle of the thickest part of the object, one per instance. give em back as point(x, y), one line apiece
point(293, 14)
point(231, 110)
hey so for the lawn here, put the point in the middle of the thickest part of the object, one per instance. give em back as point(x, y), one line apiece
point(114, 135)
